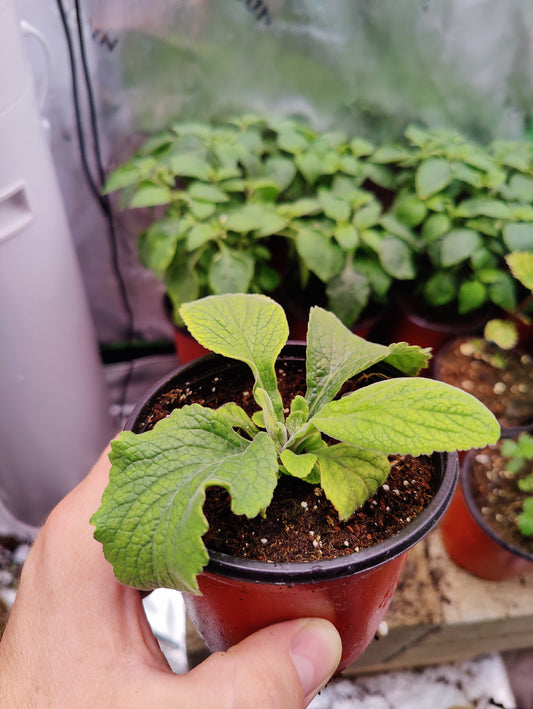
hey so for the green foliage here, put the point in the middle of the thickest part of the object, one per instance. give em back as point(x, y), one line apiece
point(435, 211)
point(519, 456)
point(477, 210)
point(151, 522)
point(228, 188)
point(505, 332)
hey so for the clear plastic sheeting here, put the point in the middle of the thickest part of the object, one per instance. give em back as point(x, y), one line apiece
point(371, 67)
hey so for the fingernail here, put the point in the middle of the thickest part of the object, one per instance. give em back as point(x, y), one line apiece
point(316, 652)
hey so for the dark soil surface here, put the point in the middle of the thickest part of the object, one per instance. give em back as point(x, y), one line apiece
point(501, 379)
point(300, 523)
point(498, 496)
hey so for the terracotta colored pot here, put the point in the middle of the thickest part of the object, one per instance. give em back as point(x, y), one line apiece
point(471, 543)
point(240, 596)
point(187, 349)
point(414, 325)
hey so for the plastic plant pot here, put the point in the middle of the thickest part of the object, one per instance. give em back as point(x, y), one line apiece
point(187, 349)
point(433, 330)
point(472, 544)
point(240, 596)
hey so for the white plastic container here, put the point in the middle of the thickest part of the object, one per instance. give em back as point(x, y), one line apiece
point(54, 410)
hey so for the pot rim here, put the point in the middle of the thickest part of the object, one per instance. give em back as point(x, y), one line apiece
point(312, 571)
point(465, 477)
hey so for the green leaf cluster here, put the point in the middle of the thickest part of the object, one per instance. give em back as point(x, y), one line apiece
point(466, 207)
point(346, 218)
point(151, 521)
point(519, 456)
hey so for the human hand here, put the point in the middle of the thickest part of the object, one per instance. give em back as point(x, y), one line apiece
point(78, 638)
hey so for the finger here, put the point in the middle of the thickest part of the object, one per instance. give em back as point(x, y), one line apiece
point(280, 667)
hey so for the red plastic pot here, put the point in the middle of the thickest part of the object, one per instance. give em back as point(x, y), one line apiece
point(472, 544)
point(240, 596)
point(412, 324)
point(187, 349)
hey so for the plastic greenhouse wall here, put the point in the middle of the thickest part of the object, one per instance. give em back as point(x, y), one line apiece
point(368, 67)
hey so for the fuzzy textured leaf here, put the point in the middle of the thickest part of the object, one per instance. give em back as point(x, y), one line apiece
point(432, 176)
point(151, 521)
point(350, 475)
point(334, 354)
point(252, 329)
point(409, 416)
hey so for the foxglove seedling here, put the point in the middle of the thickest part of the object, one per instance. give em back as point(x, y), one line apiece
point(151, 521)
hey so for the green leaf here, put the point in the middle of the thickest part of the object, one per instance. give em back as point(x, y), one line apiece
point(237, 417)
point(298, 415)
point(472, 295)
point(200, 234)
point(525, 518)
point(334, 207)
point(440, 288)
point(346, 236)
point(349, 476)
point(396, 258)
point(319, 253)
point(151, 521)
point(292, 140)
point(410, 210)
point(181, 283)
point(262, 218)
point(361, 147)
point(502, 292)
point(299, 208)
point(521, 265)
point(150, 195)
point(435, 226)
point(157, 245)
point(348, 294)
point(310, 165)
point(409, 416)
point(367, 216)
point(231, 272)
point(501, 332)
point(191, 165)
point(458, 245)
point(391, 154)
point(334, 355)
point(493, 208)
point(298, 465)
point(518, 237)
point(248, 327)
point(432, 176)
point(124, 176)
point(520, 188)
point(207, 193)
point(202, 210)
point(280, 170)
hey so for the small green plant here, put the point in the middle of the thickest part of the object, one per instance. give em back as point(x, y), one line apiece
point(519, 456)
point(151, 521)
point(462, 207)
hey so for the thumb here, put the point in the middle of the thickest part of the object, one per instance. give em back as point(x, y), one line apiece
point(280, 667)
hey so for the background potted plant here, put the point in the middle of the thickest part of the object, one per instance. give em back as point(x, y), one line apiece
point(265, 206)
point(463, 207)
point(495, 367)
point(254, 456)
point(488, 528)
